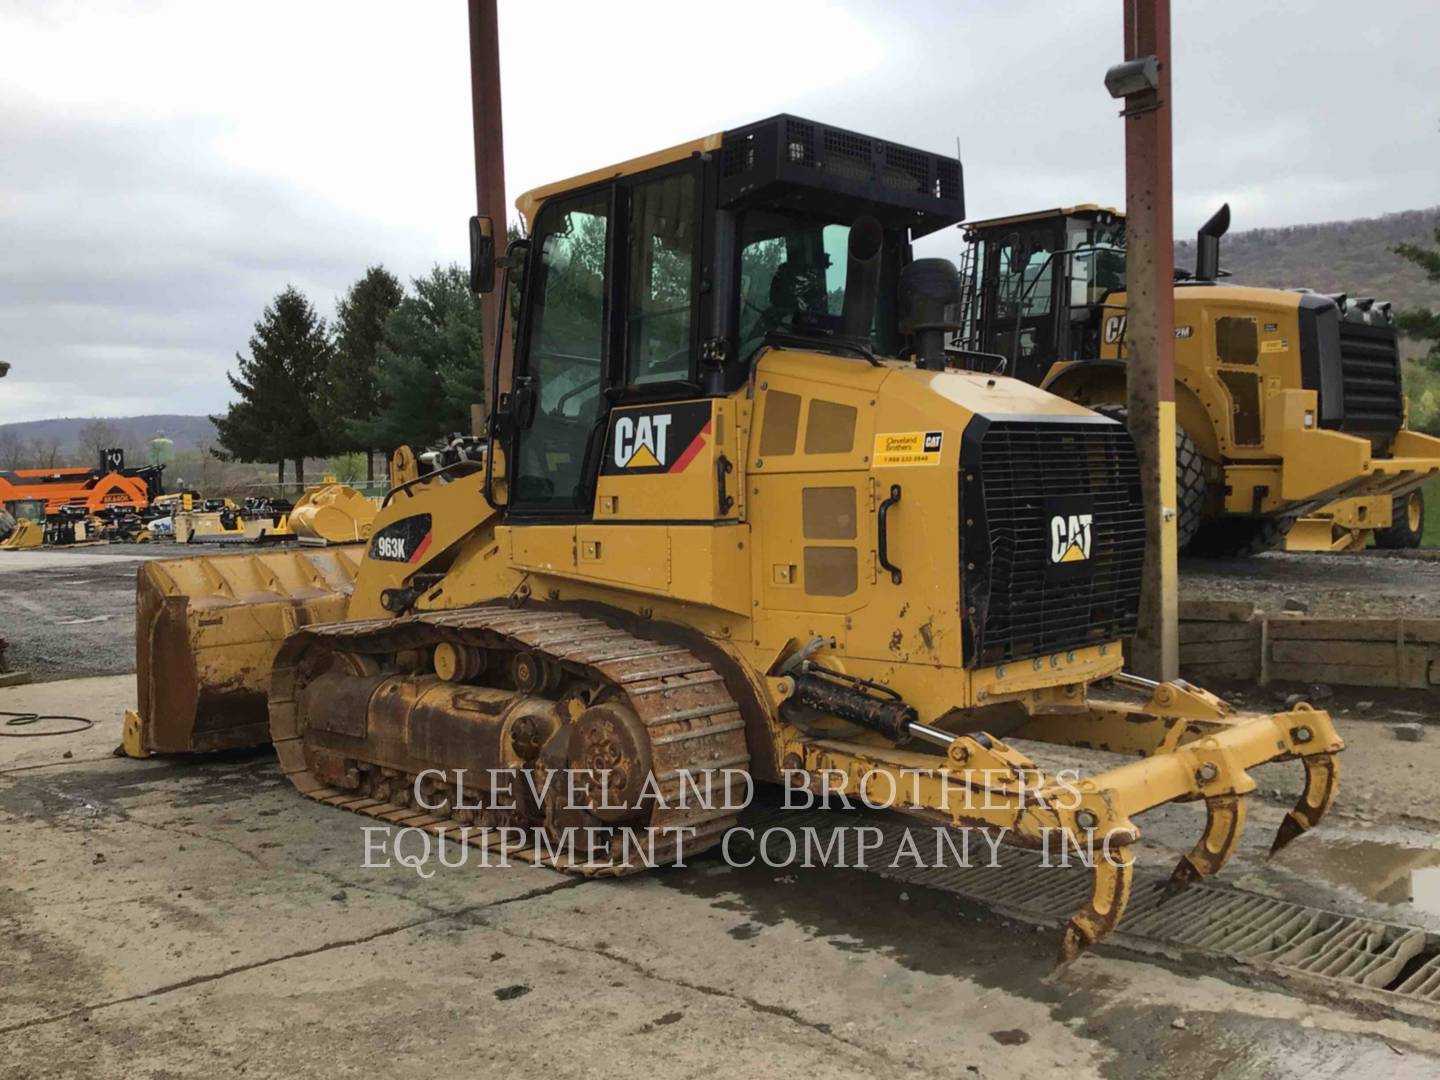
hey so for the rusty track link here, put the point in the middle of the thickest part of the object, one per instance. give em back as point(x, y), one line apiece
point(694, 725)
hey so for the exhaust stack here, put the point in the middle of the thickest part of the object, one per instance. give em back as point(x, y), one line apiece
point(1207, 244)
point(862, 277)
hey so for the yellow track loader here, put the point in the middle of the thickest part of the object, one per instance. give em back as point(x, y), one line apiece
point(735, 519)
point(1288, 402)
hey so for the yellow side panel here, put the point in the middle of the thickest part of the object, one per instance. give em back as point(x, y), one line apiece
point(807, 419)
point(828, 567)
point(637, 555)
point(546, 548)
point(711, 565)
point(700, 564)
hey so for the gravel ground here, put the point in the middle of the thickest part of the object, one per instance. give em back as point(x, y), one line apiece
point(69, 613)
point(1360, 583)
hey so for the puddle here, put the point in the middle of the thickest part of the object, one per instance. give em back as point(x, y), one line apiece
point(1387, 873)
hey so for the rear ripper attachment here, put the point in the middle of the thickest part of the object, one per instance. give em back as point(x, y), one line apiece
point(467, 703)
point(1192, 746)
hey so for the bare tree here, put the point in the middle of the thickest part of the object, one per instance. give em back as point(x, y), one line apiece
point(98, 436)
point(12, 449)
point(44, 452)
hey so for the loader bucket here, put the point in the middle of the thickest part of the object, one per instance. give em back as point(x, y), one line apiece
point(333, 514)
point(27, 534)
point(207, 629)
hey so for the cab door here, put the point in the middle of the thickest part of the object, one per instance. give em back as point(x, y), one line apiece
point(561, 370)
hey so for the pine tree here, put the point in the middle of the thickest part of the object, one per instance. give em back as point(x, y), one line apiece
point(281, 388)
point(431, 364)
point(351, 380)
point(1423, 322)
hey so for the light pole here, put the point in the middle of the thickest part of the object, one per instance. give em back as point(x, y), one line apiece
point(1143, 83)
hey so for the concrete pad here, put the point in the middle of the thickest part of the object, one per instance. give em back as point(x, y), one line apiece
point(102, 700)
point(54, 558)
point(194, 916)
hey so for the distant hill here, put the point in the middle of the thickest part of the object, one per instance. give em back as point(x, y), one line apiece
point(1354, 257)
point(187, 432)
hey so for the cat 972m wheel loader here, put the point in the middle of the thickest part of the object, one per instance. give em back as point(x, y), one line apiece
point(1288, 403)
point(734, 516)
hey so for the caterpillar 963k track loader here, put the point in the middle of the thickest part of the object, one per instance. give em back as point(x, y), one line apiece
point(734, 514)
point(1286, 400)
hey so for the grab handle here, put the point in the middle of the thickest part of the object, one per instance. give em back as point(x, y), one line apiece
point(883, 544)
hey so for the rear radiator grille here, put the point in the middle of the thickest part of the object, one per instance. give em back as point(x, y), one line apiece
point(1017, 477)
point(1370, 372)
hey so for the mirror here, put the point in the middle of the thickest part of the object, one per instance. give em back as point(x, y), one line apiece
point(482, 255)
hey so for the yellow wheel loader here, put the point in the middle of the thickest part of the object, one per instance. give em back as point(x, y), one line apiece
point(734, 519)
point(1288, 402)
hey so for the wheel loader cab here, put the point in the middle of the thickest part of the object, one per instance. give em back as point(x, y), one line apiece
point(1285, 399)
point(1041, 284)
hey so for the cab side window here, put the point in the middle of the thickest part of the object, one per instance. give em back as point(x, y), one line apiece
point(663, 245)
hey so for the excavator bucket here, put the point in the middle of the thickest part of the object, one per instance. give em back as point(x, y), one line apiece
point(207, 629)
point(26, 534)
point(333, 514)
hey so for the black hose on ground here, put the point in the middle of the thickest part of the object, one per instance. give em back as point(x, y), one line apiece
point(24, 719)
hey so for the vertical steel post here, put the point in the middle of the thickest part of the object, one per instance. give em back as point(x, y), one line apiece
point(1150, 334)
point(489, 166)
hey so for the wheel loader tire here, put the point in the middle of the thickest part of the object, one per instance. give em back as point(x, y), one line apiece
point(1407, 523)
point(1240, 537)
point(1189, 479)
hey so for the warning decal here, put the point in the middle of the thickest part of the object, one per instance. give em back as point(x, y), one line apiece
point(908, 448)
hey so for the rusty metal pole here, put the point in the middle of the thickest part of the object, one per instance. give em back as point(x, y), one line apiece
point(489, 165)
point(1150, 323)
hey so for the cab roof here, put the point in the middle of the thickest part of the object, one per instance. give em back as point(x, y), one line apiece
point(530, 201)
point(787, 159)
point(1093, 210)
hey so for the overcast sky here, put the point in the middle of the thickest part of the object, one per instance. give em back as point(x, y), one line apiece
point(165, 168)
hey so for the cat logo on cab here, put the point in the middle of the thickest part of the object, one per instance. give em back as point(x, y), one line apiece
point(649, 439)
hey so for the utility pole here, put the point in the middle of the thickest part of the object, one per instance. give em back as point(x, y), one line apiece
point(489, 168)
point(1143, 82)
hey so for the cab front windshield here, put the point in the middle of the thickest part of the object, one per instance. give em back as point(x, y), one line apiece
point(792, 278)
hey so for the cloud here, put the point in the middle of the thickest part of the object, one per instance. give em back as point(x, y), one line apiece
point(169, 167)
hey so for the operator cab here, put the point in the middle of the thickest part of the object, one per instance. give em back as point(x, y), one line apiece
point(662, 278)
point(1038, 287)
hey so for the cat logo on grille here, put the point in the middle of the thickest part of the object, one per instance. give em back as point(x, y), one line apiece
point(1070, 538)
